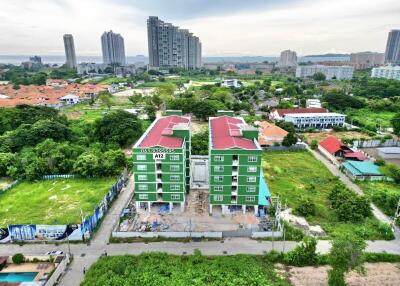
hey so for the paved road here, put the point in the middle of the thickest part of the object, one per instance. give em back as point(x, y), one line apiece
point(353, 187)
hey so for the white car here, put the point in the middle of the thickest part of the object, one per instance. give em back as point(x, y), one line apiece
point(54, 252)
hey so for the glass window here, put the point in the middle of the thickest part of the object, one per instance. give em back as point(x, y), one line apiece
point(141, 167)
point(175, 196)
point(143, 196)
point(218, 168)
point(250, 199)
point(252, 159)
point(219, 158)
point(174, 168)
point(174, 157)
point(142, 177)
point(174, 178)
point(141, 157)
point(143, 187)
point(218, 188)
point(251, 179)
point(251, 169)
point(175, 187)
point(218, 198)
point(218, 179)
point(251, 189)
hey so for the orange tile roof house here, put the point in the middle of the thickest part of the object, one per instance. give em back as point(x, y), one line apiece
point(270, 134)
point(47, 95)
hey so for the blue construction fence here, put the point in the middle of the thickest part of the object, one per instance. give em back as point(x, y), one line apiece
point(76, 232)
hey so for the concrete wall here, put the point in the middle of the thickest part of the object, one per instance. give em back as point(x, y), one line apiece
point(58, 272)
point(260, 234)
point(328, 155)
point(132, 234)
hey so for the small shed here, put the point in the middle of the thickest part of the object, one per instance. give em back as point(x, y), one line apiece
point(362, 170)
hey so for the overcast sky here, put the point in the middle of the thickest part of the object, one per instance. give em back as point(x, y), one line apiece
point(225, 27)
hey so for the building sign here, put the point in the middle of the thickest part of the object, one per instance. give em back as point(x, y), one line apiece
point(157, 150)
point(158, 156)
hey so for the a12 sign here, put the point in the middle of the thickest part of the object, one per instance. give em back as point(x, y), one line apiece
point(158, 156)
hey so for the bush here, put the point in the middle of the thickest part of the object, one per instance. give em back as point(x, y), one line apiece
point(314, 144)
point(306, 207)
point(18, 258)
point(304, 254)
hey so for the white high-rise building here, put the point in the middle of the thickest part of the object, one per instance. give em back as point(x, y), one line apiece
point(113, 49)
point(389, 72)
point(330, 72)
point(170, 46)
point(69, 47)
point(288, 59)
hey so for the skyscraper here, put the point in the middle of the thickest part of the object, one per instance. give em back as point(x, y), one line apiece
point(288, 59)
point(170, 46)
point(392, 53)
point(70, 51)
point(113, 49)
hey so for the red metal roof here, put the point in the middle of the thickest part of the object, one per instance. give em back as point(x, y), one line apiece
point(332, 144)
point(355, 155)
point(225, 134)
point(283, 112)
point(159, 135)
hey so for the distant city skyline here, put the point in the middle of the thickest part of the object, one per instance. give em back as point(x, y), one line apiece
point(225, 27)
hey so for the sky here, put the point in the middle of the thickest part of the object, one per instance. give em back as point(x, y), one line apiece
point(225, 27)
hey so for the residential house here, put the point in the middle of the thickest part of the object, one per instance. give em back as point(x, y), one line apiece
point(270, 134)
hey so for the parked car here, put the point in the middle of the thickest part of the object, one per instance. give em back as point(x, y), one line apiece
point(54, 252)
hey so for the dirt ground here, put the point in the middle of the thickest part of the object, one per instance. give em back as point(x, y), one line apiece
point(197, 126)
point(374, 153)
point(319, 136)
point(195, 217)
point(376, 274)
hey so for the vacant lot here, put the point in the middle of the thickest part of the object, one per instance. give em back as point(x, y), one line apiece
point(171, 270)
point(370, 118)
point(319, 136)
point(58, 201)
point(296, 175)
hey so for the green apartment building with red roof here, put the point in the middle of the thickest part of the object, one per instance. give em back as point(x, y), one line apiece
point(236, 177)
point(161, 162)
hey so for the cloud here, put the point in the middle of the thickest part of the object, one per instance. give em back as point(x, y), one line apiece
point(225, 27)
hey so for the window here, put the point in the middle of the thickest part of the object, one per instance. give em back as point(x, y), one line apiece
point(251, 189)
point(143, 187)
point(141, 167)
point(141, 157)
point(251, 169)
point(175, 196)
point(218, 198)
point(252, 159)
point(142, 177)
point(174, 157)
point(251, 179)
point(175, 187)
point(218, 179)
point(218, 188)
point(174, 168)
point(174, 178)
point(250, 199)
point(143, 196)
point(219, 158)
point(218, 168)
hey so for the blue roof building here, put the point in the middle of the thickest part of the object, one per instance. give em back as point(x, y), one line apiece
point(362, 170)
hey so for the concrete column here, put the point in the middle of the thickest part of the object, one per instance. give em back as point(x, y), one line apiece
point(211, 209)
point(182, 207)
point(137, 206)
point(225, 209)
point(149, 207)
point(255, 210)
point(243, 209)
point(171, 205)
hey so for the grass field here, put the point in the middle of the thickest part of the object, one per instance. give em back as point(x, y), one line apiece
point(297, 174)
point(319, 136)
point(371, 118)
point(151, 269)
point(58, 201)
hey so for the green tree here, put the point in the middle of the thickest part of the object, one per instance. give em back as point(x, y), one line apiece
point(119, 127)
point(304, 254)
point(200, 143)
point(319, 76)
point(18, 258)
point(106, 99)
point(396, 123)
point(346, 254)
point(87, 165)
point(206, 108)
point(314, 144)
point(290, 139)
point(6, 160)
point(306, 207)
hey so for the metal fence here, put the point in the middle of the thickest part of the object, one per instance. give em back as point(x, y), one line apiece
point(376, 143)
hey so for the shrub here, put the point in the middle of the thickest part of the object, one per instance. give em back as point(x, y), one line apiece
point(306, 207)
point(380, 162)
point(304, 254)
point(314, 144)
point(18, 258)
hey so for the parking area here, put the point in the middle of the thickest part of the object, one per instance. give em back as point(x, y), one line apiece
point(373, 152)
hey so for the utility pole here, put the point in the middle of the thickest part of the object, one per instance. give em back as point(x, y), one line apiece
point(396, 215)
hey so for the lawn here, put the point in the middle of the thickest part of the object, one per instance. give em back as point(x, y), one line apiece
point(58, 201)
point(371, 118)
point(297, 174)
point(172, 270)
